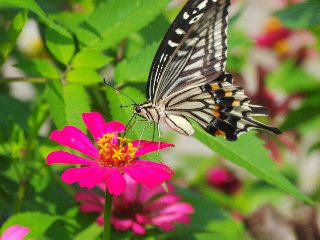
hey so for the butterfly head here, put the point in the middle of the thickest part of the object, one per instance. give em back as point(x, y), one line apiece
point(137, 109)
point(148, 111)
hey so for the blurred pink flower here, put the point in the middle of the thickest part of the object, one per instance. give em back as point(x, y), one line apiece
point(223, 180)
point(139, 206)
point(15, 232)
point(114, 157)
point(263, 96)
point(274, 36)
point(287, 43)
point(286, 140)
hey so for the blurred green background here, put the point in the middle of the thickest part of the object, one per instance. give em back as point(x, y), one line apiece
point(54, 55)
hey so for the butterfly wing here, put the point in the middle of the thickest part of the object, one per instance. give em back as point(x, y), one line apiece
point(188, 75)
point(220, 107)
point(193, 50)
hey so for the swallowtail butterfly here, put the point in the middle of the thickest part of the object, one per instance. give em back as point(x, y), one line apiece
point(188, 78)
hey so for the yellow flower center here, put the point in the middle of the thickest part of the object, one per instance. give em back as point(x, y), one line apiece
point(115, 154)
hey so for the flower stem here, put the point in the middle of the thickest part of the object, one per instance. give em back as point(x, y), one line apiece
point(107, 216)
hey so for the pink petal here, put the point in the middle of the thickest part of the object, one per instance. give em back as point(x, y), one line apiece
point(150, 176)
point(98, 126)
point(116, 127)
point(90, 201)
point(152, 164)
point(166, 224)
point(115, 182)
point(145, 147)
point(166, 227)
point(173, 213)
point(138, 229)
point(89, 207)
point(68, 158)
point(162, 219)
point(121, 224)
point(181, 208)
point(100, 220)
point(74, 138)
point(130, 193)
point(86, 176)
point(15, 232)
point(145, 194)
point(162, 202)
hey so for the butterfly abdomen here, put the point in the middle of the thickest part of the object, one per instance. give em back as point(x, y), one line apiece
point(232, 113)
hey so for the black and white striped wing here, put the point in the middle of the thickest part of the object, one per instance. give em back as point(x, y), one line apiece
point(188, 76)
point(194, 50)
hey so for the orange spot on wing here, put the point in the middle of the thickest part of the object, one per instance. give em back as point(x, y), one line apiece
point(220, 133)
point(236, 103)
point(216, 114)
point(214, 87)
point(228, 93)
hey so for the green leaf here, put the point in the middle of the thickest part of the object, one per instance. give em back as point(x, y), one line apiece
point(136, 69)
point(84, 76)
point(60, 45)
point(249, 153)
point(76, 102)
point(91, 232)
point(239, 44)
point(13, 110)
point(114, 20)
point(37, 222)
point(35, 8)
point(13, 32)
point(55, 98)
point(301, 15)
point(70, 20)
point(306, 117)
point(38, 68)
point(291, 78)
point(90, 59)
point(26, 4)
point(67, 103)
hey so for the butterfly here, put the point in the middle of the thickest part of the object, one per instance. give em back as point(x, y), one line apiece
point(188, 79)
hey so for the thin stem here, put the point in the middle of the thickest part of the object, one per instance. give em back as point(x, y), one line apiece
point(107, 216)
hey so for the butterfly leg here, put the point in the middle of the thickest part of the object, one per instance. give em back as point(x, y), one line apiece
point(159, 140)
point(142, 132)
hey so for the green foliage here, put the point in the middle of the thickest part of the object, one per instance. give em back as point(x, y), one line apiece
point(136, 68)
point(9, 37)
point(291, 78)
point(88, 41)
point(60, 45)
point(38, 68)
point(90, 59)
point(249, 153)
point(114, 20)
point(83, 76)
point(67, 102)
point(307, 116)
point(37, 221)
point(302, 15)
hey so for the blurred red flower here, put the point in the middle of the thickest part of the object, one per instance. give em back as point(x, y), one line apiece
point(223, 180)
point(138, 207)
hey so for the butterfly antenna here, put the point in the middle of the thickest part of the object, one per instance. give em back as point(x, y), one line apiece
point(104, 80)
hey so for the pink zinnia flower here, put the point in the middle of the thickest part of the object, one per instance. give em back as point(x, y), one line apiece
point(223, 180)
point(114, 156)
point(139, 206)
point(15, 232)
